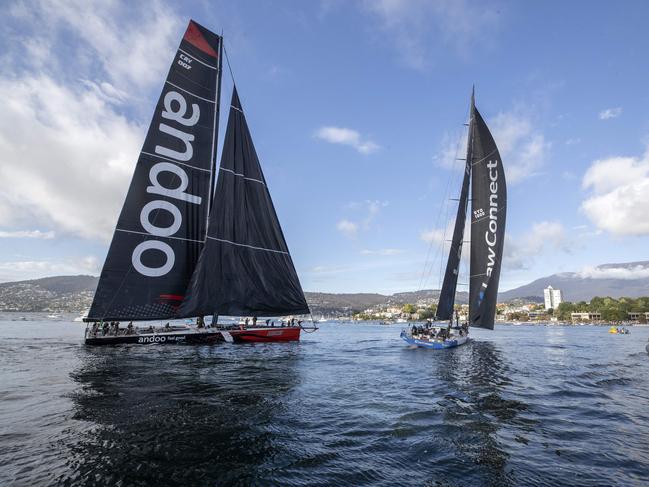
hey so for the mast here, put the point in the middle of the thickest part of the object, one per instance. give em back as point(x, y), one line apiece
point(216, 128)
point(449, 285)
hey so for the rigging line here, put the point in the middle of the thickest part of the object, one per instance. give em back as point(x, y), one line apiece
point(426, 271)
point(473, 163)
point(313, 329)
point(227, 60)
point(428, 267)
point(425, 275)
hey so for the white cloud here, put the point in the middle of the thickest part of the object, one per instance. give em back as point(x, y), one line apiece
point(28, 234)
point(436, 235)
point(453, 147)
point(542, 237)
point(34, 269)
point(382, 252)
point(67, 157)
point(68, 148)
point(618, 200)
point(347, 228)
point(345, 136)
point(371, 208)
point(522, 147)
point(610, 272)
point(444, 235)
point(610, 113)
point(131, 43)
point(324, 269)
point(458, 24)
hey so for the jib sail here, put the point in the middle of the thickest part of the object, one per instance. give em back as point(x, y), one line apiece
point(245, 268)
point(488, 216)
point(161, 229)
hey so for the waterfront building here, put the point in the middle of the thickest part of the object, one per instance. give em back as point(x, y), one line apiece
point(582, 317)
point(553, 297)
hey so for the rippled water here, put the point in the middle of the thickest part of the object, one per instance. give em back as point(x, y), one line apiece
point(349, 405)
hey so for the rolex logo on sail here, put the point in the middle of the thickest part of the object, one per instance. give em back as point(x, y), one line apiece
point(179, 116)
point(490, 235)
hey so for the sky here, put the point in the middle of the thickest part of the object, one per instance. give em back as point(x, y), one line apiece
point(357, 111)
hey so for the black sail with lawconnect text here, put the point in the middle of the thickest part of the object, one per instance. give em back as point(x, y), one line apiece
point(245, 268)
point(488, 215)
point(161, 229)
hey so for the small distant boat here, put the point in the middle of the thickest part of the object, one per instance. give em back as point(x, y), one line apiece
point(484, 174)
point(425, 341)
point(195, 240)
point(618, 330)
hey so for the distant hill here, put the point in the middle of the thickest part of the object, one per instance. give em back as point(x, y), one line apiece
point(74, 293)
point(56, 294)
point(614, 280)
point(347, 303)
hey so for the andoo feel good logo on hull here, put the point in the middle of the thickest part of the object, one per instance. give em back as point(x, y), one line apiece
point(161, 229)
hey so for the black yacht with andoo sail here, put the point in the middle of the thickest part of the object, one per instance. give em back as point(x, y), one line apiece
point(193, 240)
point(484, 174)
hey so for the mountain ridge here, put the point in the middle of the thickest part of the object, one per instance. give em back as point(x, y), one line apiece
point(74, 293)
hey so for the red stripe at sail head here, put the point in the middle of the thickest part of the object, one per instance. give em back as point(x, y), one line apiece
point(194, 36)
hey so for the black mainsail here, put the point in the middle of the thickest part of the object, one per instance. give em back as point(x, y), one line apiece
point(161, 229)
point(488, 215)
point(245, 268)
point(449, 285)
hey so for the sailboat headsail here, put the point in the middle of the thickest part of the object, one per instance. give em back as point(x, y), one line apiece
point(488, 215)
point(449, 285)
point(161, 229)
point(245, 268)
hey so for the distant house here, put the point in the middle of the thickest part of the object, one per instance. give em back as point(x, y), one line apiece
point(635, 316)
point(580, 317)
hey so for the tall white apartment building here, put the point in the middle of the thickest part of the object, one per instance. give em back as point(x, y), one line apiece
point(552, 297)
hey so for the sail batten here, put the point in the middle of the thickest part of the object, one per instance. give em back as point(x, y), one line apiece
point(162, 226)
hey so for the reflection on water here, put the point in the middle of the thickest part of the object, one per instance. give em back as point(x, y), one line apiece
point(184, 415)
point(477, 375)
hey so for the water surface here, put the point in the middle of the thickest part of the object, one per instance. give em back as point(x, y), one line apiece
point(349, 405)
